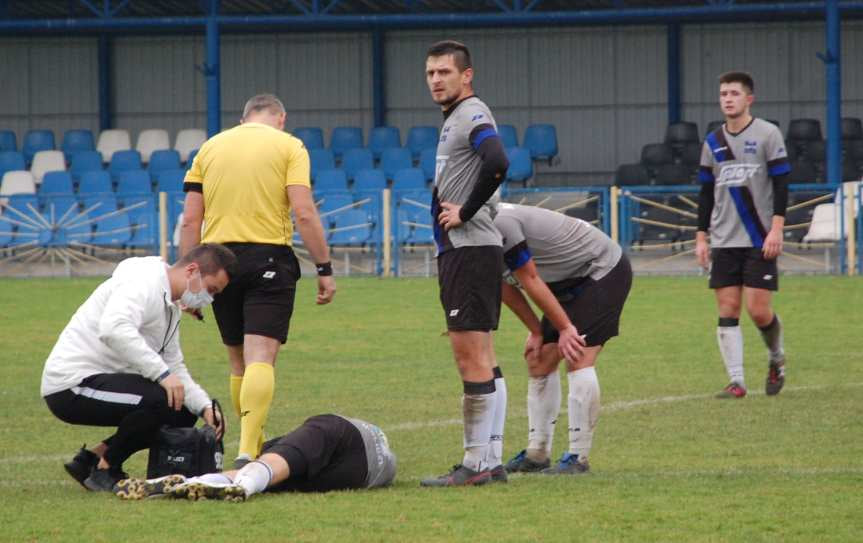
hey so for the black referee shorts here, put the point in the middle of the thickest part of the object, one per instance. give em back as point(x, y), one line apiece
point(470, 287)
point(260, 297)
point(325, 453)
point(744, 266)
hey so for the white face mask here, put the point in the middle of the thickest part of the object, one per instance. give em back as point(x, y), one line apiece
point(198, 299)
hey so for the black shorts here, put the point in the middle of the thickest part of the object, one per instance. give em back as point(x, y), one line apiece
point(743, 266)
point(325, 453)
point(260, 297)
point(470, 287)
point(594, 307)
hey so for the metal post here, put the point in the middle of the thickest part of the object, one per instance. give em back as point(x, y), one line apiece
point(615, 220)
point(104, 54)
point(387, 232)
point(834, 93)
point(673, 70)
point(212, 71)
point(378, 78)
point(163, 225)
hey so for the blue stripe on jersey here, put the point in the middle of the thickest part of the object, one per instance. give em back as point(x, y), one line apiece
point(746, 217)
point(779, 169)
point(718, 153)
point(705, 175)
point(482, 135)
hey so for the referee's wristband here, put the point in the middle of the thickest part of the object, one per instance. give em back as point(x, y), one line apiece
point(324, 269)
point(162, 377)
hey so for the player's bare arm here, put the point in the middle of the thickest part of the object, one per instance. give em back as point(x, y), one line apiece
point(310, 229)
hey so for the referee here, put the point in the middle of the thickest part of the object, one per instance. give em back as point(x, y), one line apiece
point(242, 187)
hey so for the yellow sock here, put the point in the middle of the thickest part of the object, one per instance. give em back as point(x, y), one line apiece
point(256, 395)
point(235, 384)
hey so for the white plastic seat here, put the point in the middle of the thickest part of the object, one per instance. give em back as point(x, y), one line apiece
point(16, 182)
point(154, 139)
point(111, 141)
point(825, 224)
point(188, 140)
point(47, 161)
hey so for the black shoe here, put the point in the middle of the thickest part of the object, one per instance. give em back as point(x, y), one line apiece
point(82, 465)
point(775, 377)
point(569, 464)
point(521, 463)
point(498, 474)
point(459, 476)
point(104, 480)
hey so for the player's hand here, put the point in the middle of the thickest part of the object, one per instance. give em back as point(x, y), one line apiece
point(193, 312)
point(772, 247)
point(448, 218)
point(571, 344)
point(533, 346)
point(702, 253)
point(215, 420)
point(326, 289)
point(175, 391)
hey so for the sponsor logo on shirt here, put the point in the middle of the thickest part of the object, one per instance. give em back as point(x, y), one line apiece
point(750, 147)
point(736, 174)
point(477, 117)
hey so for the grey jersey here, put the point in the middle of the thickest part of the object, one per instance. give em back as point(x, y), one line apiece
point(381, 460)
point(562, 247)
point(741, 166)
point(457, 172)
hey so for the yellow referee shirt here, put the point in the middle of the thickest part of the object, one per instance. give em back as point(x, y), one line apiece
point(242, 174)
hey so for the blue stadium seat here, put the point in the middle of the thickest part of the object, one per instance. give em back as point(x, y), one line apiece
point(78, 229)
point(373, 179)
point(353, 228)
point(75, 141)
point(37, 140)
point(56, 183)
point(123, 161)
point(344, 138)
point(508, 135)
point(164, 159)
point(409, 179)
point(85, 161)
point(520, 164)
point(133, 182)
point(143, 219)
point(98, 204)
point(113, 230)
point(170, 180)
point(25, 204)
point(395, 159)
point(421, 137)
point(332, 179)
point(541, 141)
point(11, 161)
point(355, 160)
point(321, 159)
point(192, 154)
point(428, 162)
point(7, 231)
point(95, 182)
point(8, 141)
point(384, 137)
point(312, 136)
point(329, 201)
point(59, 209)
point(415, 222)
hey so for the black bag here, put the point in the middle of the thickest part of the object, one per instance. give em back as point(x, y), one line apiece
point(187, 451)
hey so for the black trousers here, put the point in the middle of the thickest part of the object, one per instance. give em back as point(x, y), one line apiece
point(137, 406)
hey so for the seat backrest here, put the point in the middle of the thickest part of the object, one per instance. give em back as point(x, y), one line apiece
point(99, 204)
point(815, 150)
point(47, 161)
point(384, 137)
point(163, 159)
point(852, 128)
point(111, 141)
point(85, 161)
point(355, 160)
point(150, 140)
point(189, 139)
point(331, 179)
point(94, 182)
point(35, 141)
point(656, 154)
point(541, 141)
point(312, 136)
point(520, 164)
point(631, 174)
point(170, 180)
point(372, 179)
point(56, 183)
point(409, 179)
point(329, 200)
point(428, 162)
point(133, 182)
point(17, 182)
point(75, 141)
point(11, 161)
point(421, 137)
point(124, 160)
point(804, 130)
point(690, 154)
point(344, 138)
point(394, 159)
point(321, 159)
point(674, 174)
point(8, 141)
point(803, 171)
point(681, 132)
point(508, 135)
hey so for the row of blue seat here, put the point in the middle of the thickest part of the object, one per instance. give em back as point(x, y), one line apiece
point(100, 181)
point(85, 161)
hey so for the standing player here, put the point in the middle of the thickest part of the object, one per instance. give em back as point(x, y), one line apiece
point(744, 194)
point(243, 186)
point(471, 164)
point(580, 279)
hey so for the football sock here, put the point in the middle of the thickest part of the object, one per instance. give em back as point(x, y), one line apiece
point(478, 413)
point(730, 340)
point(256, 395)
point(495, 447)
point(236, 382)
point(772, 334)
point(583, 410)
point(255, 477)
point(543, 407)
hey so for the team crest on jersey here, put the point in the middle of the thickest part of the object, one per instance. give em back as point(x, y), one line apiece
point(749, 147)
point(736, 174)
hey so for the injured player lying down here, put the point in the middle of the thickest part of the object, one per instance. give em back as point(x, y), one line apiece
point(328, 452)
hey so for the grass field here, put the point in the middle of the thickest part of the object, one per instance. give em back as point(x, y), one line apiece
point(669, 463)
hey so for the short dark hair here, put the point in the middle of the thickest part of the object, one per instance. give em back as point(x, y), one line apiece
point(738, 77)
point(458, 50)
point(261, 102)
point(210, 258)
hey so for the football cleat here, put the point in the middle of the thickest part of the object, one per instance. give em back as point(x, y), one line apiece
point(775, 378)
point(82, 465)
point(138, 489)
point(569, 464)
point(521, 463)
point(459, 476)
point(733, 390)
point(498, 474)
point(204, 491)
point(103, 480)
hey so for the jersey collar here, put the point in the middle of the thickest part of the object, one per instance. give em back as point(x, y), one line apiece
point(742, 130)
point(448, 111)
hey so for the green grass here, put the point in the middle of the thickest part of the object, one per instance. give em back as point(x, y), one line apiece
point(678, 466)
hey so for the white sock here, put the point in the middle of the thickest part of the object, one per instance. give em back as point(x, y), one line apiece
point(494, 456)
point(211, 479)
point(543, 407)
point(254, 477)
point(583, 410)
point(478, 414)
point(730, 340)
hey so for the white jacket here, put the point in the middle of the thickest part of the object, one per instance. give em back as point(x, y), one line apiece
point(128, 325)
